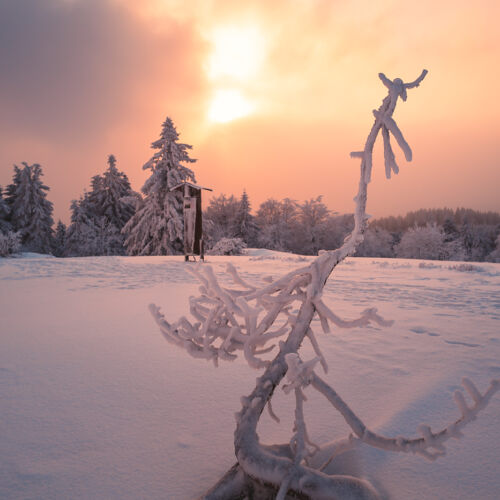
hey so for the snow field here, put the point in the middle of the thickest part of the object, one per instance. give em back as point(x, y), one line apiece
point(95, 404)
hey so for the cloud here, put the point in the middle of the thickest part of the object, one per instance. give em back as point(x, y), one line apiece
point(70, 70)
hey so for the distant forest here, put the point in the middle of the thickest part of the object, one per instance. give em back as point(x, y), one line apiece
point(112, 219)
point(99, 217)
point(309, 226)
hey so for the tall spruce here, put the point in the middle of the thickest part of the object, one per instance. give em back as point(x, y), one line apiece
point(245, 226)
point(59, 241)
point(5, 225)
point(81, 233)
point(99, 216)
point(30, 211)
point(157, 226)
point(110, 195)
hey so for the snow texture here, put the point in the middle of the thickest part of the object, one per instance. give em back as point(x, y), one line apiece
point(94, 406)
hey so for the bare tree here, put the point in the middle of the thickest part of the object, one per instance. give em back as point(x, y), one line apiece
point(249, 319)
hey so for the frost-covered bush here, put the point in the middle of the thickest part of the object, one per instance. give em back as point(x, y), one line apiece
point(275, 319)
point(9, 243)
point(428, 265)
point(377, 242)
point(422, 243)
point(228, 246)
point(466, 268)
point(494, 256)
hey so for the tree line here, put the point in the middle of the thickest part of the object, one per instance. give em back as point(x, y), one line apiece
point(309, 226)
point(112, 219)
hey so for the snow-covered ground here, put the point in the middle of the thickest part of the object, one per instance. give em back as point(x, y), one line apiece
point(94, 404)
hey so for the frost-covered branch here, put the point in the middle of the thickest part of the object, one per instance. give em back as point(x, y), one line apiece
point(431, 444)
point(250, 319)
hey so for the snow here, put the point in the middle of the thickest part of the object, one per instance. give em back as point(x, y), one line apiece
point(95, 404)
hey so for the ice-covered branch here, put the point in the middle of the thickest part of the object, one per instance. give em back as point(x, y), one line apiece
point(367, 316)
point(416, 82)
point(431, 444)
point(250, 319)
point(383, 120)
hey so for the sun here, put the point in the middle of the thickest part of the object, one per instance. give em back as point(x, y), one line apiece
point(233, 67)
point(227, 105)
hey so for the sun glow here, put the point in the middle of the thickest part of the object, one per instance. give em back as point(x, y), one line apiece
point(238, 53)
point(234, 65)
point(227, 105)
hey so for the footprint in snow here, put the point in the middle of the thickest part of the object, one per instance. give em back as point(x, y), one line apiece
point(465, 344)
point(420, 330)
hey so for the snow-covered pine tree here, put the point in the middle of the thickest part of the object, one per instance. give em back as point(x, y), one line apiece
point(157, 226)
point(244, 225)
point(110, 204)
point(82, 232)
point(30, 211)
point(5, 225)
point(9, 240)
point(9, 243)
point(59, 241)
point(99, 216)
point(90, 234)
point(110, 195)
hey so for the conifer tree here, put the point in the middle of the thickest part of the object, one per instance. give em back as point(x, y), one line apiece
point(81, 233)
point(5, 226)
point(245, 226)
point(110, 195)
point(59, 242)
point(30, 211)
point(157, 226)
point(99, 216)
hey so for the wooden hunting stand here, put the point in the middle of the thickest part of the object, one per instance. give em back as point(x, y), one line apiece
point(193, 228)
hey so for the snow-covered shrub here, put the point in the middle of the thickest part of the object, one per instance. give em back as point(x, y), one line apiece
point(494, 256)
point(251, 319)
point(228, 246)
point(377, 242)
point(422, 243)
point(428, 265)
point(9, 243)
point(466, 268)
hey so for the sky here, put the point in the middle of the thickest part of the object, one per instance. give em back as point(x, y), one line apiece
point(273, 96)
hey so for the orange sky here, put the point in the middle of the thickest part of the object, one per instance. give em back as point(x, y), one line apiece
point(273, 95)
